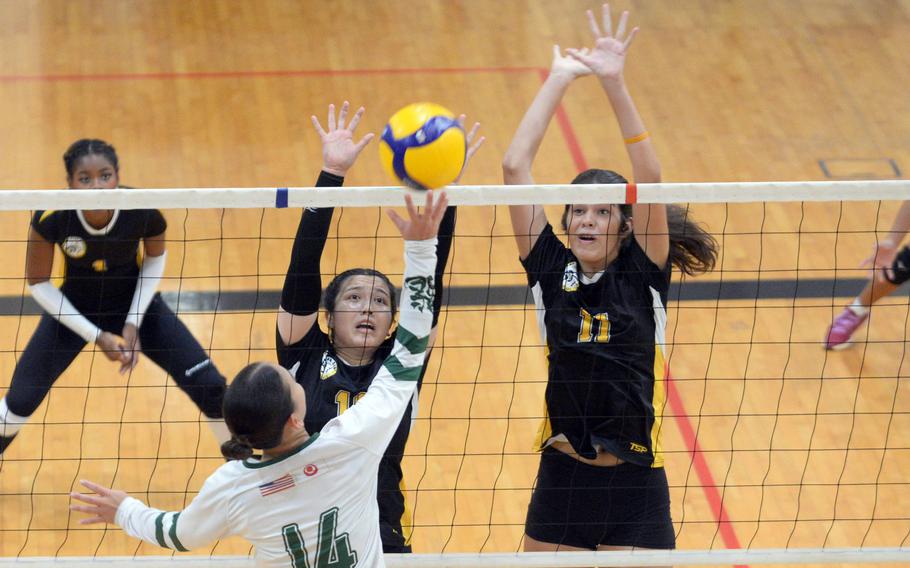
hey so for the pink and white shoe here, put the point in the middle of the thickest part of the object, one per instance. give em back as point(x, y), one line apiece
point(842, 329)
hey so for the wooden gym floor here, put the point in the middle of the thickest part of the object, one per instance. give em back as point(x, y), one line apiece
point(792, 445)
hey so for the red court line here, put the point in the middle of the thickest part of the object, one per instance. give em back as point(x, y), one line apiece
point(677, 407)
point(171, 75)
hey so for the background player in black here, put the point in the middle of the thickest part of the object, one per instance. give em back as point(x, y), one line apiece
point(108, 298)
point(600, 484)
point(890, 269)
point(337, 367)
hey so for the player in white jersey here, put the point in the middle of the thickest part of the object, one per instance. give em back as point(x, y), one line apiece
point(310, 500)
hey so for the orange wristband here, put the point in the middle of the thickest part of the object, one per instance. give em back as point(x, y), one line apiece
point(644, 135)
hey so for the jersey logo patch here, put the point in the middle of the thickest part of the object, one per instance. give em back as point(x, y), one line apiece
point(638, 448)
point(570, 277)
point(328, 367)
point(74, 247)
point(310, 470)
point(422, 292)
point(286, 481)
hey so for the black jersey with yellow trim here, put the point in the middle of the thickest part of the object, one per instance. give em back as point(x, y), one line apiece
point(101, 266)
point(331, 387)
point(605, 341)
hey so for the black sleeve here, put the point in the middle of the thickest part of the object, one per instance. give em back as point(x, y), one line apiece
point(652, 274)
point(154, 223)
point(443, 247)
point(310, 345)
point(546, 262)
point(303, 282)
point(45, 224)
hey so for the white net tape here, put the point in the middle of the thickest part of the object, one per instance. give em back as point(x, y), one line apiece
point(206, 198)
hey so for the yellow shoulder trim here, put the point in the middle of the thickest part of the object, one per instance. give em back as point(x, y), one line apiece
point(45, 215)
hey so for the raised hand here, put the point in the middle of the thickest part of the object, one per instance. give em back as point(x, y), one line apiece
point(339, 152)
point(882, 260)
point(568, 66)
point(608, 57)
point(421, 225)
point(102, 506)
point(472, 145)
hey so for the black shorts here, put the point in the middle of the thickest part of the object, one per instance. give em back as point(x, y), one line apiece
point(581, 505)
point(393, 538)
point(900, 267)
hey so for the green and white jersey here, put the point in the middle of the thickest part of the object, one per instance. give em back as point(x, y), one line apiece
point(315, 507)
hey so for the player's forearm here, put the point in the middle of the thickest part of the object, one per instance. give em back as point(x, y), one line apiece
point(418, 291)
point(645, 165)
point(303, 282)
point(202, 522)
point(526, 141)
point(146, 523)
point(146, 286)
point(52, 300)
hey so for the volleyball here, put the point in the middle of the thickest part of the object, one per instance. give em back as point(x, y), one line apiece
point(423, 146)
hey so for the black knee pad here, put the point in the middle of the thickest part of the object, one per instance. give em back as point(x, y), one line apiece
point(901, 267)
point(25, 400)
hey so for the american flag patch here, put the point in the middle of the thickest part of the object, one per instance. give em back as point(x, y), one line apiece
point(286, 481)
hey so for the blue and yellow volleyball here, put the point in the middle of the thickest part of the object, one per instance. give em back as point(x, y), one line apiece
point(423, 146)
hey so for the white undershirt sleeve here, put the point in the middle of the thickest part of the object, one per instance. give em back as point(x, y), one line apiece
point(202, 522)
point(59, 307)
point(149, 277)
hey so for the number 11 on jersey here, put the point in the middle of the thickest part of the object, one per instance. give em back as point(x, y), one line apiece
point(594, 327)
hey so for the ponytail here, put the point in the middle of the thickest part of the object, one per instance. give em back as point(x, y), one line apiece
point(236, 449)
point(693, 250)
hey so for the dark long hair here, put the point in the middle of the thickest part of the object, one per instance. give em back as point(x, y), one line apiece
point(692, 249)
point(89, 147)
point(256, 406)
point(334, 287)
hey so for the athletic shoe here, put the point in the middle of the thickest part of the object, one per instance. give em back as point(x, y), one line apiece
point(842, 329)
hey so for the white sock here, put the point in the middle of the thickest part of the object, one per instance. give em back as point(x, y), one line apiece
point(10, 423)
point(219, 429)
point(858, 308)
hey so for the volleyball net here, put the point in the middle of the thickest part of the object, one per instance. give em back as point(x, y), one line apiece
point(776, 450)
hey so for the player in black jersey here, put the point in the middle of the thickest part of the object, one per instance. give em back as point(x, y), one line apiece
point(337, 367)
point(108, 298)
point(601, 483)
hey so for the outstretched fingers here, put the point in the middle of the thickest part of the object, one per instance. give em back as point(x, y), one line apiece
point(621, 29)
point(421, 225)
point(580, 55)
point(356, 119)
point(322, 133)
point(363, 142)
point(592, 22)
point(92, 486)
point(399, 221)
point(343, 115)
point(628, 42)
point(433, 210)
